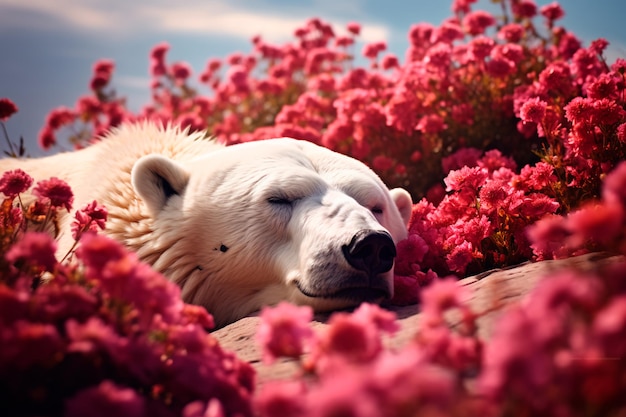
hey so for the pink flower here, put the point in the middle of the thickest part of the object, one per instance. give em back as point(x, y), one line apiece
point(499, 67)
point(7, 109)
point(198, 409)
point(444, 294)
point(60, 117)
point(547, 237)
point(465, 178)
point(284, 331)
point(34, 248)
point(389, 61)
point(354, 28)
point(157, 59)
point(512, 32)
point(431, 123)
point(382, 163)
point(15, 182)
point(89, 218)
point(525, 8)
point(552, 11)
point(460, 257)
point(463, 157)
point(47, 138)
point(371, 50)
point(478, 21)
point(493, 160)
point(614, 186)
point(480, 47)
point(534, 110)
point(106, 399)
point(420, 34)
point(600, 223)
point(181, 71)
point(347, 338)
point(55, 191)
point(439, 56)
point(281, 398)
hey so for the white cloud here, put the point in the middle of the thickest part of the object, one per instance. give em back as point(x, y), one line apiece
point(118, 18)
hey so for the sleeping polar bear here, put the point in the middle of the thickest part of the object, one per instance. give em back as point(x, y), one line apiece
point(242, 226)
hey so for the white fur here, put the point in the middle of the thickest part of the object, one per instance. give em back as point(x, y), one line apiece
point(206, 216)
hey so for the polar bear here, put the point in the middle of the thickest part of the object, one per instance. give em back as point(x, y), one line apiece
point(241, 226)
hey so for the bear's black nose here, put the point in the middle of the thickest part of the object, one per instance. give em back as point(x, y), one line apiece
point(370, 251)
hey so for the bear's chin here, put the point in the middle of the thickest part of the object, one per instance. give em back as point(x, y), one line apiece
point(351, 295)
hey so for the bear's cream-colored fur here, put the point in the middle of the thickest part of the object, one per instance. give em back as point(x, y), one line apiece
point(242, 226)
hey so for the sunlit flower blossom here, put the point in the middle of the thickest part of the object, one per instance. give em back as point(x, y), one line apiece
point(466, 177)
point(15, 182)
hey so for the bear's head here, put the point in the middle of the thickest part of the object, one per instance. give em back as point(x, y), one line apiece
point(256, 223)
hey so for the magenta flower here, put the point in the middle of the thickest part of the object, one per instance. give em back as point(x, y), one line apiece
point(7, 109)
point(534, 110)
point(15, 182)
point(90, 217)
point(354, 28)
point(106, 399)
point(552, 11)
point(35, 249)
point(56, 192)
point(465, 178)
point(284, 331)
point(478, 21)
point(281, 398)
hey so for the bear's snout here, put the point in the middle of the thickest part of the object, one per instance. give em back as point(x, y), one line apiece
point(370, 251)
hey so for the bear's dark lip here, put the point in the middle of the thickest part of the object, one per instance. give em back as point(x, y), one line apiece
point(352, 294)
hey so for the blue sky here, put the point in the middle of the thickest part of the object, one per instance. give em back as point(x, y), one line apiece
point(47, 48)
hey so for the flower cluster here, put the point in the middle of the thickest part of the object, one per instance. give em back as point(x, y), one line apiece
point(477, 80)
point(596, 226)
point(480, 224)
point(103, 334)
point(565, 340)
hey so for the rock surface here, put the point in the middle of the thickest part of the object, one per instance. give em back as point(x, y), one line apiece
point(491, 292)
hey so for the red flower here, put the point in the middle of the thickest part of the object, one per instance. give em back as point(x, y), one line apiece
point(56, 191)
point(7, 109)
point(36, 249)
point(15, 182)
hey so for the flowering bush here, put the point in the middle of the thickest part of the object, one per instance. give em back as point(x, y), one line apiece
point(475, 98)
point(104, 334)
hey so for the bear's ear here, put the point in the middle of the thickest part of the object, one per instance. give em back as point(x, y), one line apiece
point(156, 178)
point(403, 201)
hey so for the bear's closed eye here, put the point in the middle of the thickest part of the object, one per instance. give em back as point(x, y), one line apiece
point(279, 201)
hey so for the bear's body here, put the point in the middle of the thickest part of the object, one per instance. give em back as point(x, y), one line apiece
point(242, 226)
